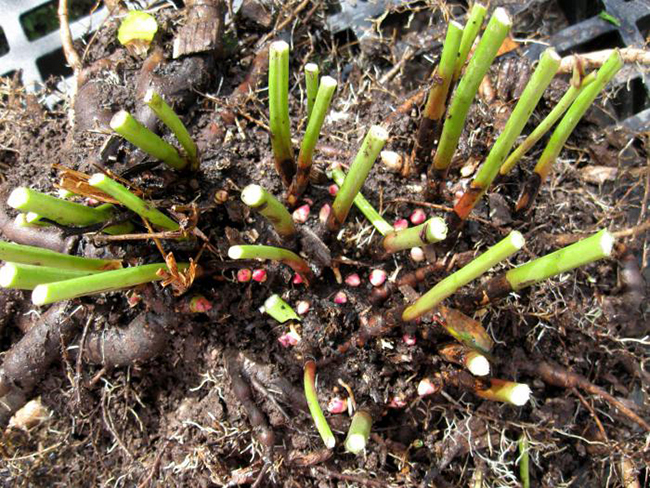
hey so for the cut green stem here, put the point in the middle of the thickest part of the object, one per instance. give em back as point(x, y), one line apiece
point(548, 66)
point(261, 200)
point(314, 408)
point(471, 30)
point(27, 277)
point(64, 212)
point(279, 111)
point(546, 124)
point(311, 86)
point(433, 230)
point(564, 129)
point(289, 258)
point(99, 283)
point(168, 117)
point(280, 310)
point(497, 253)
point(17, 253)
point(305, 158)
point(370, 149)
point(524, 471)
point(474, 361)
point(137, 134)
point(517, 394)
point(437, 99)
point(132, 202)
point(363, 205)
point(495, 32)
point(359, 432)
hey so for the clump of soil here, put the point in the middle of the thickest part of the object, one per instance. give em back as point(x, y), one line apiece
point(215, 399)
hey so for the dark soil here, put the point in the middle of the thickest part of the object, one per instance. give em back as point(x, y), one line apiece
point(220, 404)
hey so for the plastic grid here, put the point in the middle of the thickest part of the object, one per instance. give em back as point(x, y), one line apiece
point(24, 54)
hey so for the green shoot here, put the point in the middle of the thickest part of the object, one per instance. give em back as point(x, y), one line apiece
point(261, 200)
point(314, 408)
point(311, 86)
point(99, 283)
point(280, 310)
point(497, 253)
point(363, 205)
point(137, 134)
point(433, 230)
point(495, 32)
point(279, 111)
point(548, 66)
point(516, 394)
point(471, 30)
point(305, 158)
point(137, 30)
point(27, 277)
point(17, 253)
point(171, 120)
point(132, 202)
point(359, 432)
point(370, 149)
point(564, 129)
point(524, 470)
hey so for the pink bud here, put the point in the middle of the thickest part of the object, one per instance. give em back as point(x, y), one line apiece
point(400, 224)
point(397, 402)
point(324, 213)
point(377, 277)
point(337, 405)
point(200, 304)
point(301, 214)
point(297, 279)
point(418, 216)
point(417, 254)
point(340, 298)
point(409, 339)
point(259, 275)
point(302, 307)
point(353, 280)
point(92, 201)
point(244, 275)
point(134, 299)
point(425, 387)
point(333, 189)
point(291, 338)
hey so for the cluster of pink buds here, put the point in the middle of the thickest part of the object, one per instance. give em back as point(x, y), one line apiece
point(244, 275)
point(398, 401)
point(333, 189)
point(426, 387)
point(340, 298)
point(352, 280)
point(259, 275)
point(200, 304)
point(418, 216)
point(302, 307)
point(378, 277)
point(337, 405)
point(291, 338)
point(400, 224)
point(297, 279)
point(409, 340)
point(324, 213)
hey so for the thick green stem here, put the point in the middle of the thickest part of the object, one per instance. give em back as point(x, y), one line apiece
point(497, 253)
point(138, 135)
point(471, 30)
point(27, 277)
point(17, 253)
point(433, 230)
point(279, 111)
point(564, 129)
point(364, 205)
point(437, 99)
point(359, 432)
point(495, 32)
point(583, 252)
point(132, 202)
point(171, 120)
point(305, 158)
point(546, 124)
point(314, 408)
point(517, 394)
point(261, 200)
point(370, 149)
point(289, 258)
point(99, 283)
point(548, 66)
point(64, 212)
point(311, 86)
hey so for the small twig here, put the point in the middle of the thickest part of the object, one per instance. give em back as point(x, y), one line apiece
point(82, 341)
point(592, 412)
point(154, 467)
point(632, 231)
point(596, 59)
point(71, 55)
